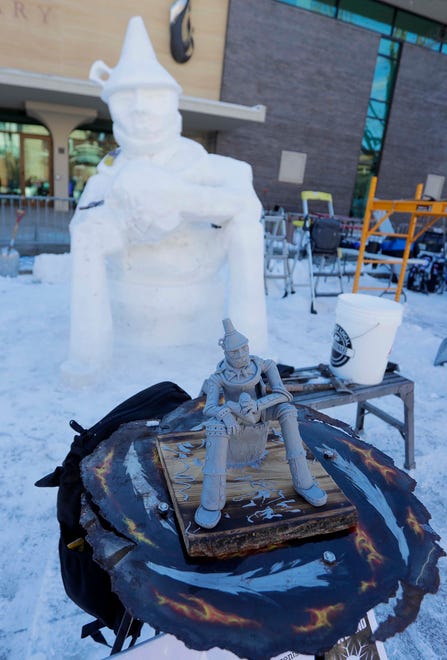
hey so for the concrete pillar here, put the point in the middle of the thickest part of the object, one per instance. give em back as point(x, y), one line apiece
point(60, 121)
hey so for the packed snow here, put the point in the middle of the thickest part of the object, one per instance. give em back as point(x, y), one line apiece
point(38, 621)
point(164, 253)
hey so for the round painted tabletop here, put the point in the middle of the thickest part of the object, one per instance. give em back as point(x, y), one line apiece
point(260, 604)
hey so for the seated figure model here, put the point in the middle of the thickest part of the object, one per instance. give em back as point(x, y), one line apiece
point(239, 378)
point(164, 233)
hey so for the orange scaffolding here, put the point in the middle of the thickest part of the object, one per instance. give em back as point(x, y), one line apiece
point(419, 209)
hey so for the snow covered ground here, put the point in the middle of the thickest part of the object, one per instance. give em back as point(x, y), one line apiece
point(36, 618)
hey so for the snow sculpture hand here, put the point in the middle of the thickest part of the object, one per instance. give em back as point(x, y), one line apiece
point(147, 199)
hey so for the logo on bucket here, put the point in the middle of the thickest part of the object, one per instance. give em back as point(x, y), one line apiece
point(341, 347)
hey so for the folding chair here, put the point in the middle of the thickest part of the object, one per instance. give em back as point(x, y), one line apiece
point(321, 241)
point(277, 250)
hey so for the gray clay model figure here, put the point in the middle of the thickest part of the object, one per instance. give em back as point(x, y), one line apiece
point(236, 432)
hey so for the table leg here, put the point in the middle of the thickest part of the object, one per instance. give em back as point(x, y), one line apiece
point(406, 427)
point(408, 401)
point(360, 418)
point(123, 632)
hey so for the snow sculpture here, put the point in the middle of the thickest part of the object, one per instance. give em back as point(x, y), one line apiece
point(241, 423)
point(165, 234)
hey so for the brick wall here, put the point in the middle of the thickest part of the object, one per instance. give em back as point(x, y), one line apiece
point(314, 75)
point(416, 140)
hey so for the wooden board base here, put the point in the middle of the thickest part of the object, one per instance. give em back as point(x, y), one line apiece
point(262, 507)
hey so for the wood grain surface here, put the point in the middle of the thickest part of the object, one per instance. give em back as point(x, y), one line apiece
point(262, 507)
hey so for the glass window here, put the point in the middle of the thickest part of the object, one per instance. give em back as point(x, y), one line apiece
point(378, 109)
point(366, 169)
point(383, 81)
point(417, 30)
point(380, 17)
point(368, 14)
point(389, 48)
point(32, 129)
point(25, 159)
point(86, 149)
point(36, 165)
point(326, 7)
point(373, 135)
point(9, 163)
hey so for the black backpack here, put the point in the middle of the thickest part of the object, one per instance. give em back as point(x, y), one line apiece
point(85, 582)
point(325, 235)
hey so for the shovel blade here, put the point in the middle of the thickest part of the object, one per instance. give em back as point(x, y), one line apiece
point(9, 263)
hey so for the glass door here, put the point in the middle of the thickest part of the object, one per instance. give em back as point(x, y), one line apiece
point(36, 177)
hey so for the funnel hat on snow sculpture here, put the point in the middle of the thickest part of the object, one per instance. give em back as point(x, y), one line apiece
point(137, 67)
point(232, 339)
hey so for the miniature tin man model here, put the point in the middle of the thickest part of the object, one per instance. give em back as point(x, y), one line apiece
point(239, 379)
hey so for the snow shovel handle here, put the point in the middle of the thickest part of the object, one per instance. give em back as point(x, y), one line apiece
point(19, 215)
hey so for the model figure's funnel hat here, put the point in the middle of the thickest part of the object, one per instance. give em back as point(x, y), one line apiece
point(137, 67)
point(232, 339)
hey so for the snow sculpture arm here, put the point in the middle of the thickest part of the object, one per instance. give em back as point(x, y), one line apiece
point(221, 189)
point(244, 232)
point(94, 233)
point(103, 231)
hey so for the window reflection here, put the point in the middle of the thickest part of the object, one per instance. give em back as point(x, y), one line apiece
point(368, 14)
point(375, 124)
point(377, 109)
point(366, 169)
point(86, 148)
point(382, 18)
point(36, 166)
point(373, 135)
point(32, 129)
point(24, 159)
point(326, 7)
point(9, 163)
point(417, 30)
point(383, 78)
point(389, 48)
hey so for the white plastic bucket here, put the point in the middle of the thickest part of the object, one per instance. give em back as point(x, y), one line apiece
point(365, 328)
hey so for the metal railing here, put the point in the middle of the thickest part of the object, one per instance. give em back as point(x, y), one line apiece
point(43, 227)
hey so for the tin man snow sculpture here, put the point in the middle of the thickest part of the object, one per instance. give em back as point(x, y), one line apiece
point(242, 421)
point(164, 233)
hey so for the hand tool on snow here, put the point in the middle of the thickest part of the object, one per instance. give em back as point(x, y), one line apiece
point(9, 258)
point(339, 386)
point(19, 215)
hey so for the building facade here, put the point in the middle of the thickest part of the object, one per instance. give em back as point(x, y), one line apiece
point(54, 128)
point(354, 89)
point(314, 94)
